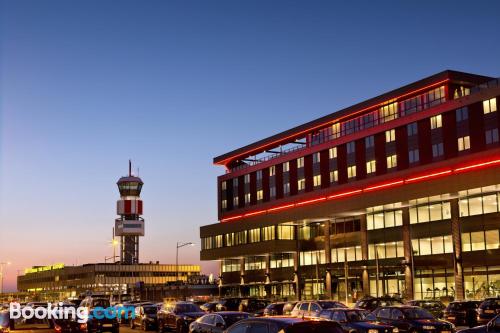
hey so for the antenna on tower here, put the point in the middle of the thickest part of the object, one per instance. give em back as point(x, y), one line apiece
point(130, 168)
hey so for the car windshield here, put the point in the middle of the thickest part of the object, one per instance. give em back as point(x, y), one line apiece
point(417, 313)
point(231, 319)
point(355, 316)
point(491, 302)
point(456, 306)
point(150, 309)
point(187, 308)
point(329, 305)
point(103, 303)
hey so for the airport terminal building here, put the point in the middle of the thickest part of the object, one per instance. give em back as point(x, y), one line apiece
point(399, 194)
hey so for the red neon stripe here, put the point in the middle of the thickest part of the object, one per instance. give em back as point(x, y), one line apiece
point(343, 194)
point(385, 185)
point(231, 218)
point(255, 213)
point(395, 99)
point(280, 207)
point(432, 175)
point(475, 166)
point(310, 201)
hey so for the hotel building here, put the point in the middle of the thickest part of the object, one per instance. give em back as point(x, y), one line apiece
point(398, 194)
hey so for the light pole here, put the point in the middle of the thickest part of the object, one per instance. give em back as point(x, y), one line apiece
point(179, 245)
point(2, 267)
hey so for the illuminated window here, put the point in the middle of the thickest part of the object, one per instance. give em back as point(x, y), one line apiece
point(247, 198)
point(380, 217)
point(413, 156)
point(272, 170)
point(412, 129)
point(219, 241)
point(301, 184)
point(436, 122)
point(236, 201)
point(390, 135)
point(332, 153)
point(392, 161)
point(268, 233)
point(429, 209)
point(490, 105)
point(462, 114)
point(300, 162)
point(255, 263)
point(224, 204)
point(437, 150)
point(463, 143)
point(280, 260)
point(272, 191)
point(370, 166)
point(351, 148)
point(312, 258)
point(286, 232)
point(334, 176)
point(231, 265)
point(336, 130)
point(317, 180)
point(316, 158)
point(286, 166)
point(223, 185)
point(350, 253)
point(286, 188)
point(385, 250)
point(260, 195)
point(351, 171)
point(247, 178)
point(254, 235)
point(432, 245)
point(388, 112)
point(369, 141)
point(491, 136)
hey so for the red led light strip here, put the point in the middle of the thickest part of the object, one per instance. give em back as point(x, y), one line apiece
point(417, 179)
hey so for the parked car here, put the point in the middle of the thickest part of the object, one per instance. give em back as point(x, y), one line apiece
point(493, 326)
point(4, 321)
point(274, 309)
point(411, 319)
point(70, 325)
point(145, 317)
point(253, 305)
point(434, 307)
point(462, 313)
point(216, 322)
point(178, 316)
point(288, 307)
point(229, 304)
point(313, 308)
point(209, 307)
point(284, 325)
point(488, 309)
point(371, 303)
point(354, 320)
point(95, 324)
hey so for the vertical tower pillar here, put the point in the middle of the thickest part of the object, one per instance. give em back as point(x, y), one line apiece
point(365, 278)
point(409, 265)
point(457, 249)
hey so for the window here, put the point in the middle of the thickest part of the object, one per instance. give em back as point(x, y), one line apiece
point(436, 122)
point(268, 233)
point(332, 153)
point(316, 158)
point(247, 198)
point(317, 180)
point(491, 136)
point(432, 245)
point(463, 143)
point(334, 176)
point(351, 171)
point(247, 178)
point(286, 188)
point(286, 166)
point(480, 240)
point(388, 112)
point(236, 201)
point(385, 250)
point(392, 161)
point(231, 265)
point(370, 166)
point(336, 130)
point(272, 191)
point(429, 209)
point(490, 105)
point(286, 232)
point(258, 175)
point(413, 156)
point(369, 141)
point(412, 129)
point(386, 216)
point(351, 148)
point(272, 170)
point(224, 204)
point(390, 136)
point(352, 253)
point(462, 114)
point(260, 195)
point(312, 258)
point(300, 162)
point(223, 185)
point(437, 150)
point(301, 184)
point(282, 260)
point(254, 235)
point(254, 263)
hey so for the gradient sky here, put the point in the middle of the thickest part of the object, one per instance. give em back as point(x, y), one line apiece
point(86, 85)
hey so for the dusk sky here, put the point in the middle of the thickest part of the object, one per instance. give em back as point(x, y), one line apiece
point(86, 85)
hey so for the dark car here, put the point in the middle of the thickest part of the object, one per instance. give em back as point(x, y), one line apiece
point(434, 307)
point(178, 316)
point(253, 305)
point(487, 310)
point(216, 322)
point(69, 325)
point(98, 320)
point(145, 317)
point(274, 309)
point(411, 319)
point(209, 307)
point(284, 325)
point(313, 308)
point(354, 320)
point(371, 303)
point(462, 313)
point(4, 321)
point(493, 326)
point(229, 304)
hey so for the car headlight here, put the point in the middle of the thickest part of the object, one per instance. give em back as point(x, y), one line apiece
point(186, 318)
point(426, 327)
point(372, 331)
point(395, 330)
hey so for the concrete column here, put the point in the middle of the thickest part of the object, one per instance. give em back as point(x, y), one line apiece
point(408, 254)
point(242, 276)
point(456, 236)
point(268, 276)
point(328, 258)
point(296, 269)
point(365, 278)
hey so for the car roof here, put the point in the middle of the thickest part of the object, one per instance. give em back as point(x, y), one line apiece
point(344, 309)
point(230, 313)
point(277, 319)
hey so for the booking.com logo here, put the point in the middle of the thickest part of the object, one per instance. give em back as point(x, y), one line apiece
point(61, 312)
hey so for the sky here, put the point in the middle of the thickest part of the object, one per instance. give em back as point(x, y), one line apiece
point(86, 85)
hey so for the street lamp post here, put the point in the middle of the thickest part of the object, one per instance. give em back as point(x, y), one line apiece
point(179, 245)
point(2, 267)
